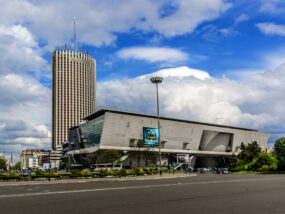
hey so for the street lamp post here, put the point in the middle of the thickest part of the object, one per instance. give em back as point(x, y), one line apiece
point(158, 80)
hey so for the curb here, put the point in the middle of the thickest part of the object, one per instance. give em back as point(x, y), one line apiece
point(67, 181)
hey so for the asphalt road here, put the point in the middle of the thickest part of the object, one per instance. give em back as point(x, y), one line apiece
point(200, 194)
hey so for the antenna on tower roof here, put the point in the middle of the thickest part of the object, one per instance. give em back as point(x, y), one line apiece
point(74, 20)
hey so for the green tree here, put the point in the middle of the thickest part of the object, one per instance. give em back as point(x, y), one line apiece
point(264, 162)
point(279, 151)
point(62, 165)
point(3, 164)
point(17, 166)
point(249, 152)
point(110, 156)
point(232, 162)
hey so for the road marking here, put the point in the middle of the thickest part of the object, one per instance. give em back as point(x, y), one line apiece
point(132, 187)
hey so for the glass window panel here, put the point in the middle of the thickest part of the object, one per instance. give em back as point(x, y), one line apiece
point(91, 131)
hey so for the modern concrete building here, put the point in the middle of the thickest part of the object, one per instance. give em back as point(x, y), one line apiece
point(203, 143)
point(73, 91)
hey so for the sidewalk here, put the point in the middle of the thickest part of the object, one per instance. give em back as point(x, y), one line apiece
point(66, 181)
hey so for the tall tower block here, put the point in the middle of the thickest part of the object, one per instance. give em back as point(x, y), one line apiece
point(73, 91)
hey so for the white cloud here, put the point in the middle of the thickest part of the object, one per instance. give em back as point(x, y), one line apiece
point(243, 17)
point(273, 59)
point(256, 102)
point(269, 28)
point(153, 54)
point(19, 50)
point(272, 6)
point(99, 21)
point(189, 14)
point(179, 73)
point(214, 34)
point(24, 97)
point(25, 113)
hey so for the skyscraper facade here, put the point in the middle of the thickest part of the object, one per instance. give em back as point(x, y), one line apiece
point(73, 91)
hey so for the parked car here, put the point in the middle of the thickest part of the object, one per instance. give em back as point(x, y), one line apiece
point(204, 170)
point(225, 170)
point(195, 169)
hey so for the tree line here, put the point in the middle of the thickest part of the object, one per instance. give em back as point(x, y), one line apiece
point(252, 158)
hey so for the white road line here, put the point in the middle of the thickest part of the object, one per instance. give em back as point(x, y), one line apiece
point(133, 187)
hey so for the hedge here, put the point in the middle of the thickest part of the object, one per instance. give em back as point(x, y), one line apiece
point(39, 175)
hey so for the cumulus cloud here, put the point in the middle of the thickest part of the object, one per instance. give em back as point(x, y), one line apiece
point(255, 102)
point(269, 28)
point(99, 21)
point(153, 54)
point(24, 97)
point(25, 113)
point(183, 21)
point(19, 50)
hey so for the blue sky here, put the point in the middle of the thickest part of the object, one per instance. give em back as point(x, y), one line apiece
point(222, 61)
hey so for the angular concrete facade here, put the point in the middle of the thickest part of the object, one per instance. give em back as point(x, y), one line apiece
point(117, 130)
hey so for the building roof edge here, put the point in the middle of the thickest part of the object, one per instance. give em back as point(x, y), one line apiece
point(104, 110)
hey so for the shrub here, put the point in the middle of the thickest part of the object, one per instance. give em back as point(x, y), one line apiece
point(10, 177)
point(75, 173)
point(130, 172)
point(139, 171)
point(148, 170)
point(164, 169)
point(123, 172)
point(110, 173)
point(39, 172)
point(85, 172)
point(102, 173)
point(264, 168)
point(264, 161)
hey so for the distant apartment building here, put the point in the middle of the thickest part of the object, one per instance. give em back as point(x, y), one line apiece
point(269, 149)
point(73, 91)
point(33, 159)
point(55, 157)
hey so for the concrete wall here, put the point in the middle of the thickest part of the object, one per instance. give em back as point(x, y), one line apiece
point(119, 129)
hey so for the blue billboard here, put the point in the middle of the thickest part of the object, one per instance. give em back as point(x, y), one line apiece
point(150, 136)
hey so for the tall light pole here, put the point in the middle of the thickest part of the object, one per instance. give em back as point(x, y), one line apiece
point(158, 80)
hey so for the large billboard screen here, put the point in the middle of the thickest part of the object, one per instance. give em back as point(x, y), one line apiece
point(183, 158)
point(150, 136)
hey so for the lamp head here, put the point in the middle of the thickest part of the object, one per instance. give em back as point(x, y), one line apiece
point(156, 79)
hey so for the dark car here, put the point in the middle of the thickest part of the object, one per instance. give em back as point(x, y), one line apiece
point(195, 170)
point(225, 170)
